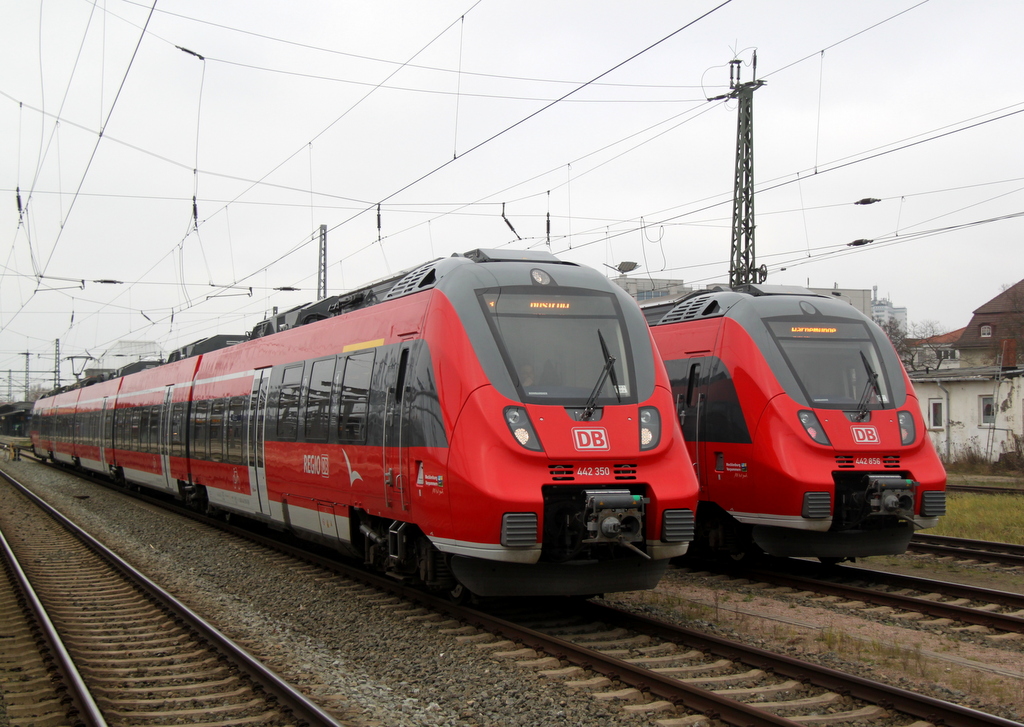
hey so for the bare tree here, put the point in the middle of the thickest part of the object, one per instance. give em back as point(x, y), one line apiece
point(917, 346)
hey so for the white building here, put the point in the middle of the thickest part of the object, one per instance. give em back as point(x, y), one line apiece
point(973, 411)
point(883, 311)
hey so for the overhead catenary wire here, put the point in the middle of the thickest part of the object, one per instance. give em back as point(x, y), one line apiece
point(393, 233)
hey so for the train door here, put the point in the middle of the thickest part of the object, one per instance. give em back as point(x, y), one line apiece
point(395, 456)
point(104, 439)
point(255, 437)
point(164, 439)
point(690, 389)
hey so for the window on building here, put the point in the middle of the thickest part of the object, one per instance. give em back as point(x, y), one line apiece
point(935, 414)
point(988, 409)
point(986, 331)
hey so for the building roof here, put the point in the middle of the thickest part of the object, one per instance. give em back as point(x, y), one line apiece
point(943, 339)
point(977, 373)
point(1005, 313)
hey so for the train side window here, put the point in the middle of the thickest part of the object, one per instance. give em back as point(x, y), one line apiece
point(318, 400)
point(288, 403)
point(355, 392)
point(154, 429)
point(200, 413)
point(691, 385)
point(235, 427)
point(134, 439)
point(108, 435)
point(216, 429)
point(144, 417)
point(177, 431)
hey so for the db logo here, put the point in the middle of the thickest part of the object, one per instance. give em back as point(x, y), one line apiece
point(587, 439)
point(865, 435)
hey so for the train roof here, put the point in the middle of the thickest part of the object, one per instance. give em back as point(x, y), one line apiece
point(716, 302)
point(407, 282)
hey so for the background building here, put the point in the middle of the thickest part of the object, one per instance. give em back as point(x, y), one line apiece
point(883, 311)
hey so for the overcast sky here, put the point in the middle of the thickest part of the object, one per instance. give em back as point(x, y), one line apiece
point(281, 117)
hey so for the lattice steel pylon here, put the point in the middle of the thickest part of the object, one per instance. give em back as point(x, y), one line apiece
point(742, 264)
point(321, 268)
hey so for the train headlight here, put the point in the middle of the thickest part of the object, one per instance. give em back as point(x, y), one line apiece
point(650, 427)
point(519, 424)
point(908, 433)
point(813, 427)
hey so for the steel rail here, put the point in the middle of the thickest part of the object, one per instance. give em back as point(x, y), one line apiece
point(934, 710)
point(287, 695)
point(84, 706)
point(988, 545)
point(985, 489)
point(965, 614)
point(1006, 553)
point(948, 588)
point(709, 703)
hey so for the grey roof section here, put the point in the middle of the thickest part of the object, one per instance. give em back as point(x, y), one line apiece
point(977, 373)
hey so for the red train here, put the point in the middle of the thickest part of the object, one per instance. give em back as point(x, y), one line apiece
point(805, 432)
point(496, 422)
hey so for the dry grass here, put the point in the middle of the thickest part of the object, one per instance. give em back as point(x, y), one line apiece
point(983, 517)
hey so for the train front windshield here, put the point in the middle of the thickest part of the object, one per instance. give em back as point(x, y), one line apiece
point(836, 363)
point(558, 346)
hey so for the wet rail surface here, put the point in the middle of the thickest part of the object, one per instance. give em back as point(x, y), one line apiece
point(145, 658)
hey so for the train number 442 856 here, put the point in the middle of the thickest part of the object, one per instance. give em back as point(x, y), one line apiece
point(869, 460)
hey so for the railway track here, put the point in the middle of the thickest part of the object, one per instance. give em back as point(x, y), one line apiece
point(664, 666)
point(648, 666)
point(143, 657)
point(985, 489)
point(967, 549)
point(1000, 611)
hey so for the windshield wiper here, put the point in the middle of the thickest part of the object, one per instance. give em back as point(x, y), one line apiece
point(872, 385)
point(607, 370)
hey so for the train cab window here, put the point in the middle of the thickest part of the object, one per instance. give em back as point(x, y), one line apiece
point(559, 344)
point(234, 425)
point(216, 429)
point(318, 400)
point(355, 392)
point(200, 416)
point(288, 403)
point(836, 362)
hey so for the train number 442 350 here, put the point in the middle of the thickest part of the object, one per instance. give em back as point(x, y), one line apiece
point(593, 471)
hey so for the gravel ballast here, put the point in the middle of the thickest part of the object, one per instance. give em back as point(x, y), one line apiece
point(358, 659)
